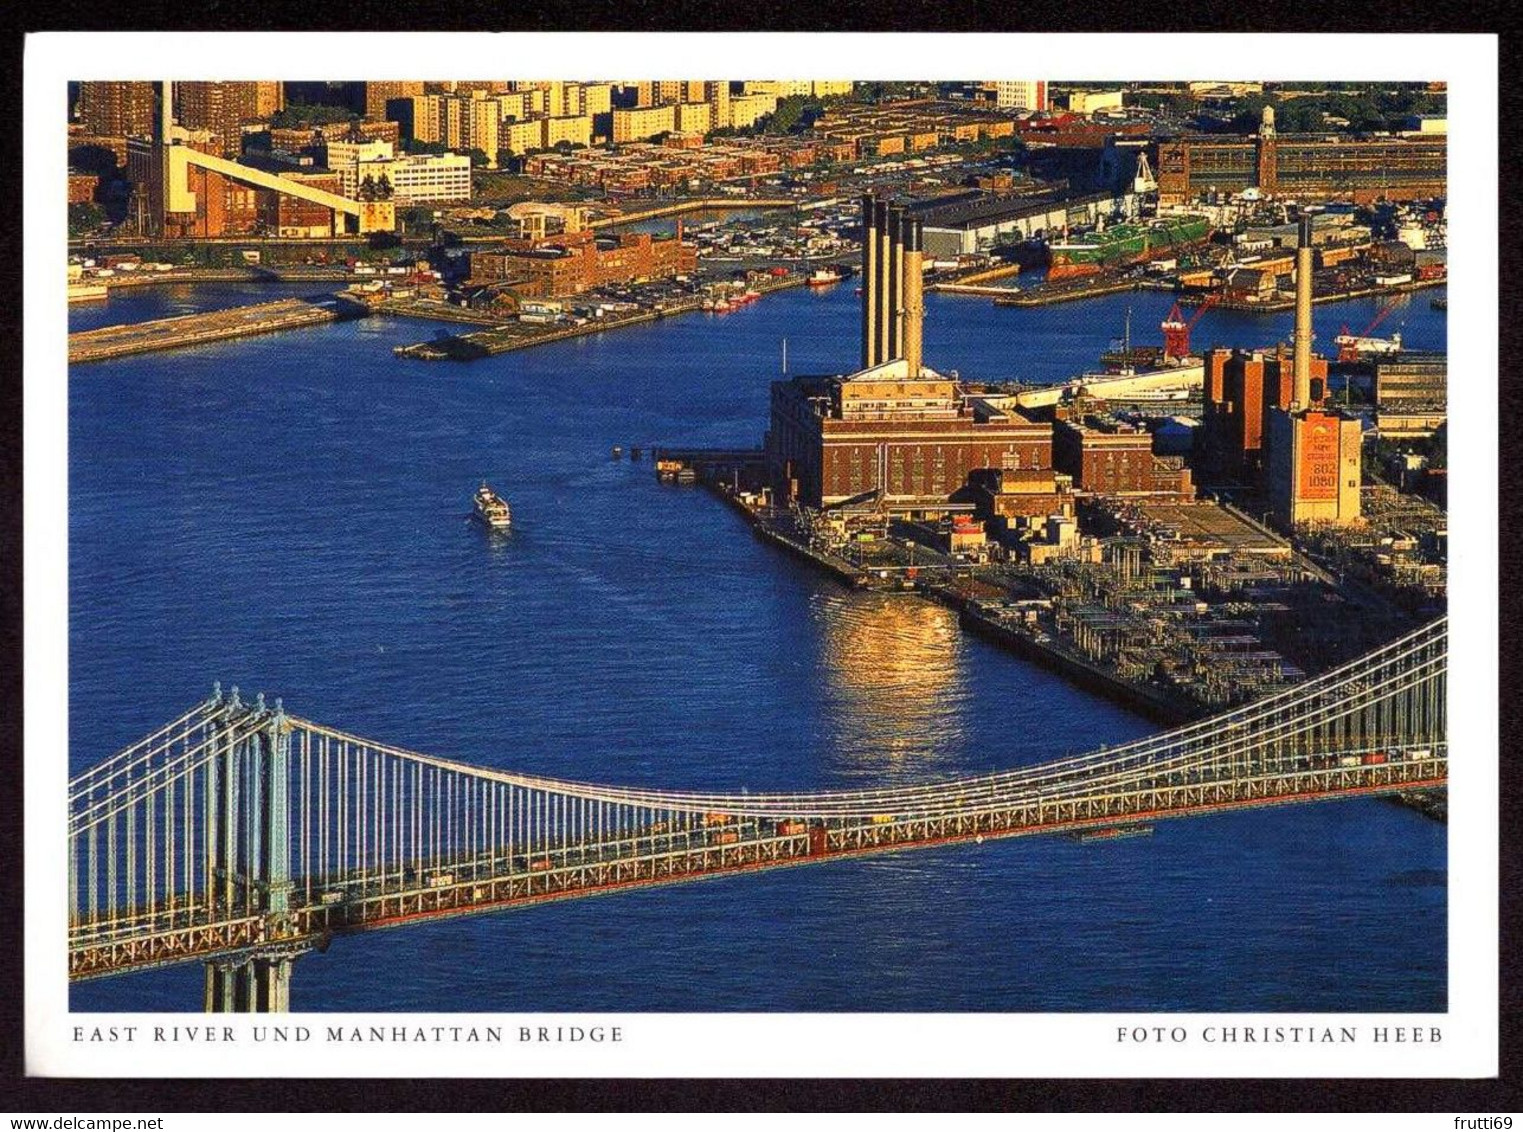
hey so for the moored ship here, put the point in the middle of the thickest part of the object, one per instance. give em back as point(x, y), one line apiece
point(491, 509)
point(1125, 243)
point(1352, 347)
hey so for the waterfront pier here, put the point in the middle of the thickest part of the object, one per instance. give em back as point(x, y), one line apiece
point(209, 326)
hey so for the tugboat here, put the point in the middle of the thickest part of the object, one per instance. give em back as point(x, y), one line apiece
point(491, 509)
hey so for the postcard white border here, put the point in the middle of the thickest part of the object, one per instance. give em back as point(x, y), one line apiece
point(835, 1045)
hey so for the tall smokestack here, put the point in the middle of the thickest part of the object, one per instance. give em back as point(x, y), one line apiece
point(1301, 398)
point(884, 288)
point(895, 284)
point(869, 282)
point(914, 311)
point(166, 110)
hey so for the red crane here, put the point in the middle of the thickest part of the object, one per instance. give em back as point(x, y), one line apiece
point(1348, 344)
point(1176, 331)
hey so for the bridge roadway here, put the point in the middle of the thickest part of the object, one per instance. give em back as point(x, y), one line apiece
point(718, 845)
point(239, 836)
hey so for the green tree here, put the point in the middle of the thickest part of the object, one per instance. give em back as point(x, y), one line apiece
point(479, 158)
point(85, 217)
point(794, 114)
point(297, 116)
point(416, 219)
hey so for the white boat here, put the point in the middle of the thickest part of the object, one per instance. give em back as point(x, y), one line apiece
point(1355, 346)
point(491, 509)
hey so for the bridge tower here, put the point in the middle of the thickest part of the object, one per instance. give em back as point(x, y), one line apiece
point(253, 869)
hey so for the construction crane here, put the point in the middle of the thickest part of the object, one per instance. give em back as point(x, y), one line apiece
point(1176, 331)
point(1351, 347)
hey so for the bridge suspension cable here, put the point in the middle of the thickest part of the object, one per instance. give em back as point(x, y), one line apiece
point(238, 834)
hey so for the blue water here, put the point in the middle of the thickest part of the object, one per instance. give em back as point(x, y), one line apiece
point(288, 513)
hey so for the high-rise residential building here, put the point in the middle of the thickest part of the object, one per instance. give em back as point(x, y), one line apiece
point(642, 123)
point(378, 94)
point(679, 90)
point(790, 88)
point(1022, 94)
point(597, 98)
point(694, 117)
point(525, 137)
point(269, 98)
point(486, 128)
point(516, 105)
point(577, 130)
point(225, 108)
point(116, 109)
point(455, 123)
point(832, 88)
point(485, 86)
point(717, 95)
point(746, 109)
point(420, 117)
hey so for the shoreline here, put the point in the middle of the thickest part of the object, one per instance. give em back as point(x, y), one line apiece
point(1153, 703)
point(497, 340)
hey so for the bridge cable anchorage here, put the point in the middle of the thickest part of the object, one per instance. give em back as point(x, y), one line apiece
point(239, 836)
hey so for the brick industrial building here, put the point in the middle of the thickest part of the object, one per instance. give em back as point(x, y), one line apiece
point(834, 438)
point(1242, 387)
point(1106, 457)
point(1267, 424)
point(573, 262)
point(1303, 167)
point(895, 429)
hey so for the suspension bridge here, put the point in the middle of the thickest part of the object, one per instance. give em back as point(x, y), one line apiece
point(239, 836)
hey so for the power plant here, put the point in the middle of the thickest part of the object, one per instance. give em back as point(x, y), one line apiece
point(895, 432)
point(892, 297)
point(1314, 468)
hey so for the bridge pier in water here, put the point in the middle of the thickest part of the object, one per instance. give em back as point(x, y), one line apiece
point(250, 984)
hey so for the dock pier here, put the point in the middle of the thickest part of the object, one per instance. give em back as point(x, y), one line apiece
point(108, 342)
point(506, 337)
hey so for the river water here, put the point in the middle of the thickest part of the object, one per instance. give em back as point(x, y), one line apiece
point(288, 513)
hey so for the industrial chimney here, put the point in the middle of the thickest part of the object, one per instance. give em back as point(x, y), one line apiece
point(166, 111)
point(914, 308)
point(869, 281)
point(895, 297)
point(883, 287)
point(1301, 397)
